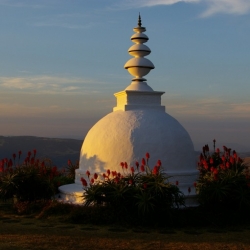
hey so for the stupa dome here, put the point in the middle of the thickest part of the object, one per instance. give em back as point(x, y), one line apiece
point(127, 135)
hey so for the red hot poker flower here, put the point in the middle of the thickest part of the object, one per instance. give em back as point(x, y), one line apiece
point(114, 173)
point(69, 163)
point(84, 182)
point(95, 176)
point(177, 183)
point(147, 156)
point(108, 172)
point(122, 164)
point(159, 163)
point(143, 162)
point(92, 180)
point(137, 164)
point(126, 165)
point(142, 168)
point(195, 184)
point(155, 170)
point(132, 169)
point(88, 173)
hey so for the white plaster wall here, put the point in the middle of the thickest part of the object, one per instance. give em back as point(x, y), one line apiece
point(126, 136)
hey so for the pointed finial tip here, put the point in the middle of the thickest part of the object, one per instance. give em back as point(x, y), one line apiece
point(139, 20)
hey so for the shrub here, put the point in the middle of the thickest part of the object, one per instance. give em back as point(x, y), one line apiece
point(224, 181)
point(137, 191)
point(30, 180)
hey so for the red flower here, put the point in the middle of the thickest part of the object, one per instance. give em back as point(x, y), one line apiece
point(108, 172)
point(114, 173)
point(211, 161)
point(69, 163)
point(223, 158)
point(147, 156)
point(130, 181)
point(143, 162)
point(92, 180)
point(95, 176)
point(217, 150)
point(189, 190)
point(142, 168)
point(228, 165)
point(137, 164)
point(159, 163)
point(177, 183)
point(195, 184)
point(126, 165)
point(104, 175)
point(29, 154)
point(19, 153)
point(88, 173)
point(231, 159)
point(122, 164)
point(144, 185)
point(84, 182)
point(34, 151)
point(215, 171)
point(132, 169)
point(155, 170)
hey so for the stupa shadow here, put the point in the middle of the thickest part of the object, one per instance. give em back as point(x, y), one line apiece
point(93, 164)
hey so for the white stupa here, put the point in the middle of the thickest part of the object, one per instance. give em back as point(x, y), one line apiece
point(138, 124)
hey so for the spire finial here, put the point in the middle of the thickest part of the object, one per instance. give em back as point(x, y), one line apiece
point(139, 20)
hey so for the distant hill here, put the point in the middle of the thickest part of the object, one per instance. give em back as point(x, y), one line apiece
point(58, 150)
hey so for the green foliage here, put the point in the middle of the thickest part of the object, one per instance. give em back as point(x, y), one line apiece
point(31, 179)
point(224, 181)
point(142, 192)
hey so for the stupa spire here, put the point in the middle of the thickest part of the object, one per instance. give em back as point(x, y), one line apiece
point(139, 66)
point(139, 20)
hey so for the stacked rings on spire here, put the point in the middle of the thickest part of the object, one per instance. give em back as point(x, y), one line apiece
point(139, 66)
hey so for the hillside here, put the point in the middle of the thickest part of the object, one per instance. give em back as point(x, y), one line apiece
point(58, 150)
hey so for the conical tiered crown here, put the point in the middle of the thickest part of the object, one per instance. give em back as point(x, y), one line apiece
point(139, 66)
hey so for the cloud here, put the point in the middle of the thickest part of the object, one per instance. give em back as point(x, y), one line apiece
point(48, 84)
point(211, 108)
point(237, 7)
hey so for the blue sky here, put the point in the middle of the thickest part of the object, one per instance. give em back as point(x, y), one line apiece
point(61, 61)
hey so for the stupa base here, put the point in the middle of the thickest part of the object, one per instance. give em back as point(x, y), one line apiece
point(71, 193)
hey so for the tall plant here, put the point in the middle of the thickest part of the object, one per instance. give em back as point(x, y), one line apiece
point(31, 179)
point(224, 181)
point(136, 189)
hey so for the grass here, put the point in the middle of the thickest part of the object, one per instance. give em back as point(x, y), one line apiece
point(19, 232)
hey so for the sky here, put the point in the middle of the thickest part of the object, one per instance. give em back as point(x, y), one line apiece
point(61, 62)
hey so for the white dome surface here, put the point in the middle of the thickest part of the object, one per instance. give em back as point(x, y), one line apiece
point(127, 136)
